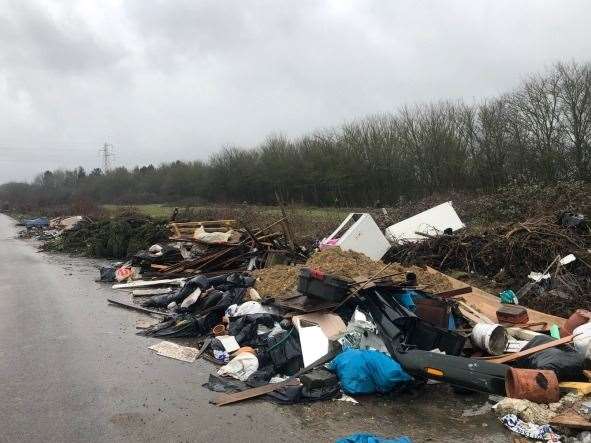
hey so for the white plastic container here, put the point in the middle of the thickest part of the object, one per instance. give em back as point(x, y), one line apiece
point(490, 338)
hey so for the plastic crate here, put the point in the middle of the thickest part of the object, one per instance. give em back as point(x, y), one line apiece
point(315, 283)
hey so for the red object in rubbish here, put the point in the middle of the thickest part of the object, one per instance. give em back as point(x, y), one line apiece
point(123, 273)
point(537, 385)
point(317, 274)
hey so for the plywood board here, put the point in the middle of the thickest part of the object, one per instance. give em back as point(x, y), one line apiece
point(487, 304)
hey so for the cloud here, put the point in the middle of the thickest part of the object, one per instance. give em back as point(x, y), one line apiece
point(179, 79)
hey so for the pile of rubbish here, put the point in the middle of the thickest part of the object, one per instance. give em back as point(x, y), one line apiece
point(42, 228)
point(363, 314)
point(508, 253)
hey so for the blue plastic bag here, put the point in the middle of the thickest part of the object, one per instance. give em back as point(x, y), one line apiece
point(366, 372)
point(372, 438)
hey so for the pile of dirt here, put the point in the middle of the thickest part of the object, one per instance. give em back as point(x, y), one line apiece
point(276, 281)
point(341, 263)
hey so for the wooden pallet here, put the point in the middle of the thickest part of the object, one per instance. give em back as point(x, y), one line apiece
point(185, 231)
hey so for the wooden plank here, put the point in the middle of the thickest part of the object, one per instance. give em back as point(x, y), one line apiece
point(488, 304)
point(150, 291)
point(472, 314)
point(570, 419)
point(454, 292)
point(521, 354)
point(137, 308)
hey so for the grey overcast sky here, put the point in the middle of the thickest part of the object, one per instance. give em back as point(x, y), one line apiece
point(174, 79)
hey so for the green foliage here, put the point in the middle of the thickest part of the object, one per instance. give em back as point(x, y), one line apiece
point(110, 238)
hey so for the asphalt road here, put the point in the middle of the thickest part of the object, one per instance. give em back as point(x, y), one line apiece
point(72, 369)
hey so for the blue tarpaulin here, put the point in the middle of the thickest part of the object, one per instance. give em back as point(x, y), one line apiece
point(366, 372)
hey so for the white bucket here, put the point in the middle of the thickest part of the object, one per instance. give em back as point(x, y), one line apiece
point(490, 338)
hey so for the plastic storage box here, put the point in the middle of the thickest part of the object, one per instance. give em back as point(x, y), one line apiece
point(327, 287)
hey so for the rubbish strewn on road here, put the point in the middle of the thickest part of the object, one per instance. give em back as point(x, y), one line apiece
point(295, 324)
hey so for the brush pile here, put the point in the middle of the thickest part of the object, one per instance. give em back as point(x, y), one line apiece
point(508, 252)
point(119, 237)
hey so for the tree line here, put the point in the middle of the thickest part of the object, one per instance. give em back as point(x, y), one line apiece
point(540, 132)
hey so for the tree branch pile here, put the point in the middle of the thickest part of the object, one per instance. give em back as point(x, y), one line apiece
point(508, 253)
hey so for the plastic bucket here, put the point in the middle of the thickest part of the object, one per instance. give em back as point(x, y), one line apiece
point(490, 338)
point(537, 385)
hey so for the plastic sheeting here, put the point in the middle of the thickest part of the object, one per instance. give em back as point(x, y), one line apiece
point(366, 372)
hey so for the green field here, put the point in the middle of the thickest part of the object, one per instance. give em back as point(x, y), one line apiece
point(164, 210)
point(153, 210)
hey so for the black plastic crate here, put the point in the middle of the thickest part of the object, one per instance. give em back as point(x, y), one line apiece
point(315, 283)
point(428, 337)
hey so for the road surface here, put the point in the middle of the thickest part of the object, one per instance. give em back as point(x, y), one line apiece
point(72, 369)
